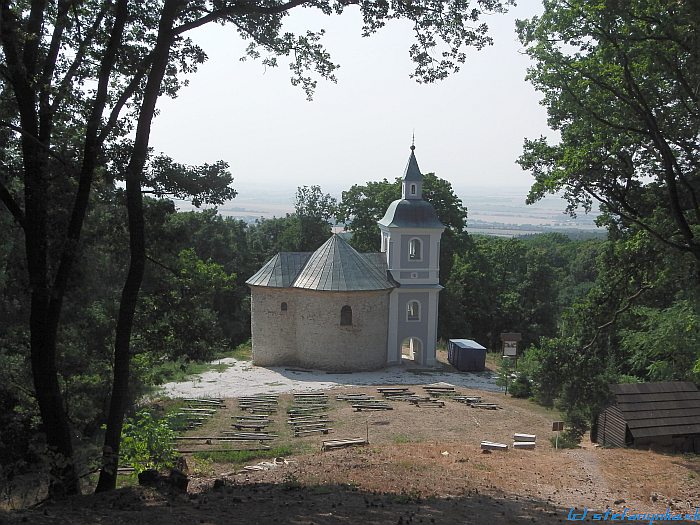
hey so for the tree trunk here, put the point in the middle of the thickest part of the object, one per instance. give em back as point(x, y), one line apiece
point(137, 245)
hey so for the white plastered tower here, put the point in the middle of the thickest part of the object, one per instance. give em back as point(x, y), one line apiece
point(411, 233)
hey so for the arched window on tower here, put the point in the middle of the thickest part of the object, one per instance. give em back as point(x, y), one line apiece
point(413, 189)
point(346, 316)
point(414, 250)
point(283, 307)
point(413, 311)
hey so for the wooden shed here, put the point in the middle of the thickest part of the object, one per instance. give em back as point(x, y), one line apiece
point(665, 414)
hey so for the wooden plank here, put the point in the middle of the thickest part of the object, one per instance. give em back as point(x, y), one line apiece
point(309, 425)
point(525, 437)
point(528, 445)
point(193, 450)
point(490, 445)
point(312, 431)
point(205, 438)
point(467, 399)
point(342, 443)
point(244, 426)
point(213, 401)
point(485, 406)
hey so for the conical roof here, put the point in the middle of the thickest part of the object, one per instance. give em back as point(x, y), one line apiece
point(336, 266)
point(412, 172)
point(280, 271)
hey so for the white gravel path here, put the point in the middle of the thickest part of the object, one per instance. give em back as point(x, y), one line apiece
point(241, 378)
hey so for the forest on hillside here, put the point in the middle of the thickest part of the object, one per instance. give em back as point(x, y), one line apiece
point(591, 312)
point(106, 289)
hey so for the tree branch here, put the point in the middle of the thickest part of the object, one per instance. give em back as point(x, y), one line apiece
point(25, 133)
point(65, 83)
point(11, 204)
point(124, 97)
point(239, 9)
point(630, 216)
point(168, 268)
point(616, 315)
point(52, 56)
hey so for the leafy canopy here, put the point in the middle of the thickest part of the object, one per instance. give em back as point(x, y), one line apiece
point(619, 80)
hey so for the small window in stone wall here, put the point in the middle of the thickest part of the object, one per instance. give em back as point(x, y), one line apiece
point(283, 307)
point(346, 316)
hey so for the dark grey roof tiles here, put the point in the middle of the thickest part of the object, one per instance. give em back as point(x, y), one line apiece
point(335, 266)
point(281, 270)
point(412, 171)
point(411, 213)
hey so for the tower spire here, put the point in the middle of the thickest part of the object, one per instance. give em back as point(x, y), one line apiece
point(411, 187)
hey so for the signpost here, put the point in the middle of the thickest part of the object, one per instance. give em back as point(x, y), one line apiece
point(510, 346)
point(557, 426)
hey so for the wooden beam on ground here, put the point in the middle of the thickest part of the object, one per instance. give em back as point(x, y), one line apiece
point(490, 445)
point(342, 443)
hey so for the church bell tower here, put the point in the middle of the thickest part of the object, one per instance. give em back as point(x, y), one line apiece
point(410, 235)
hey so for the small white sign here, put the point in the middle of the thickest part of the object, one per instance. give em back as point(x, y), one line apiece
point(510, 348)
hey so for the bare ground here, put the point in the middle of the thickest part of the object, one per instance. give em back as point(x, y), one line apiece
point(422, 466)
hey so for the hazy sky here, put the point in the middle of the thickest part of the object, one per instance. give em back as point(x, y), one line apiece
point(469, 128)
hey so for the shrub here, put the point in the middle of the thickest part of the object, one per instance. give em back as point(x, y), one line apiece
point(521, 387)
point(147, 442)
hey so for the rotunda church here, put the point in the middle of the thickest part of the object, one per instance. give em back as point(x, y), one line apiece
point(340, 310)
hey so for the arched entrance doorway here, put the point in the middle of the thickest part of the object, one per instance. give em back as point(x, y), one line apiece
point(412, 350)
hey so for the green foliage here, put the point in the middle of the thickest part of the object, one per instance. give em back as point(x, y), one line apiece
point(666, 344)
point(617, 83)
point(363, 205)
point(507, 285)
point(565, 440)
point(243, 352)
point(521, 386)
point(147, 442)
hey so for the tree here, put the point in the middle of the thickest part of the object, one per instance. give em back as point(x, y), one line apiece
point(314, 211)
point(620, 85)
point(363, 205)
point(132, 53)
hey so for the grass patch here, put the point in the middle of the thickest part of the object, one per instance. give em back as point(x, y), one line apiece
point(401, 439)
point(181, 370)
point(243, 352)
point(242, 456)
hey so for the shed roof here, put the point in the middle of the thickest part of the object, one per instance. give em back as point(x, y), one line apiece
point(659, 409)
point(335, 266)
